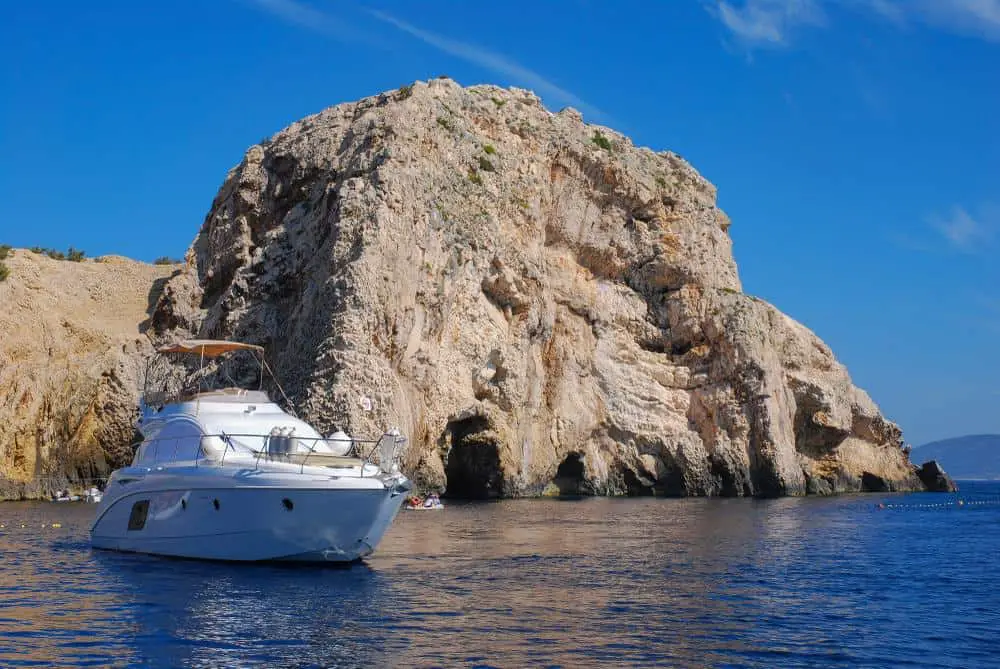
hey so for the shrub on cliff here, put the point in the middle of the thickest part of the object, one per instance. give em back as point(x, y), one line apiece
point(166, 260)
point(74, 255)
point(600, 140)
point(4, 251)
point(4, 271)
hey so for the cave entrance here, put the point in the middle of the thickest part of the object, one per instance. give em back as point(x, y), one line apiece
point(569, 476)
point(634, 486)
point(473, 467)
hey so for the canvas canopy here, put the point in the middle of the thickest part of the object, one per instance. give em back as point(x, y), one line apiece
point(209, 348)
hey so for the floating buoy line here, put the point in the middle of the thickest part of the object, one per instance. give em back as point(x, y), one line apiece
point(955, 504)
point(25, 526)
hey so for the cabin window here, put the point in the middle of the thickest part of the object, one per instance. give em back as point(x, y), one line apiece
point(137, 519)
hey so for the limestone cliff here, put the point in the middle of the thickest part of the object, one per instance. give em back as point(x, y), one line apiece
point(537, 303)
point(71, 351)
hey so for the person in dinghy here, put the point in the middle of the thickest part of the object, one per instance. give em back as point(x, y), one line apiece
point(432, 501)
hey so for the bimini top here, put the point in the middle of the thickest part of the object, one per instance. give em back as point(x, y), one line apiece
point(209, 348)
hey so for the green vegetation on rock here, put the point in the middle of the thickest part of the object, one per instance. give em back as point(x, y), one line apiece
point(73, 254)
point(600, 140)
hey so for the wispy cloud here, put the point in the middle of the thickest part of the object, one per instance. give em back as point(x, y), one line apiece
point(305, 16)
point(963, 232)
point(768, 22)
point(978, 18)
point(958, 231)
point(492, 61)
point(772, 22)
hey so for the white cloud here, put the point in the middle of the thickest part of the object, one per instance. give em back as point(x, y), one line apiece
point(303, 16)
point(963, 232)
point(310, 18)
point(771, 22)
point(491, 61)
point(978, 18)
point(767, 22)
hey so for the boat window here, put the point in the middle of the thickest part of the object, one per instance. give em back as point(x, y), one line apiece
point(137, 519)
point(177, 441)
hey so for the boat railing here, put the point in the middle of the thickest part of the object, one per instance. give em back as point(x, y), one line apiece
point(275, 448)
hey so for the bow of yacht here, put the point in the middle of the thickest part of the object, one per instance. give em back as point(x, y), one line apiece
point(225, 473)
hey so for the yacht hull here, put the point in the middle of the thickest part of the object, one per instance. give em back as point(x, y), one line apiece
point(268, 523)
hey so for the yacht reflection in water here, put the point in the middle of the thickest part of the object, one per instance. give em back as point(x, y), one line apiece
point(190, 613)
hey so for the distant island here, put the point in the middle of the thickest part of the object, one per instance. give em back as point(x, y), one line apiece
point(974, 456)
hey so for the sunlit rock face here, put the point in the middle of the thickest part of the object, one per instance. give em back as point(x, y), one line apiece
point(72, 347)
point(541, 306)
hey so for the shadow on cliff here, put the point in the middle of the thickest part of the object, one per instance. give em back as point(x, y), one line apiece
point(153, 298)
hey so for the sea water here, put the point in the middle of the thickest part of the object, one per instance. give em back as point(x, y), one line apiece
point(836, 581)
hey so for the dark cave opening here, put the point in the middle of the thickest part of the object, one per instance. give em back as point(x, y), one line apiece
point(473, 467)
point(634, 486)
point(569, 476)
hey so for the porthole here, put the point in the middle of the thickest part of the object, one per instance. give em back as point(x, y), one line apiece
point(215, 503)
point(184, 504)
point(287, 503)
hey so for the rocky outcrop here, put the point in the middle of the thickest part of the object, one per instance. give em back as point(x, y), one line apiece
point(71, 350)
point(935, 479)
point(540, 305)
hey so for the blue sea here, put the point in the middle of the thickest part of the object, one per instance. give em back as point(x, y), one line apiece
point(810, 582)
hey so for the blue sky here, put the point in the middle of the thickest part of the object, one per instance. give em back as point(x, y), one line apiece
point(855, 143)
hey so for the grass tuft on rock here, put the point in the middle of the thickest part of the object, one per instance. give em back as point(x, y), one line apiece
point(73, 254)
point(600, 140)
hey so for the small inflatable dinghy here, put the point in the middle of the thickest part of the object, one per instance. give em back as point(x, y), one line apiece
point(431, 502)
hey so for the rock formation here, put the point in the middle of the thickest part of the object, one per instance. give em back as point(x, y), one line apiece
point(934, 478)
point(71, 350)
point(540, 305)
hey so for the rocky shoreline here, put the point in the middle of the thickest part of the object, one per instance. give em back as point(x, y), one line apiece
point(541, 306)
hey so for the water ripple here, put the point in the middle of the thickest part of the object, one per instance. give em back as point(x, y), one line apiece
point(793, 583)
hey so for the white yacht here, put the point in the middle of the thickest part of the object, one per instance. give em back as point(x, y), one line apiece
point(224, 473)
